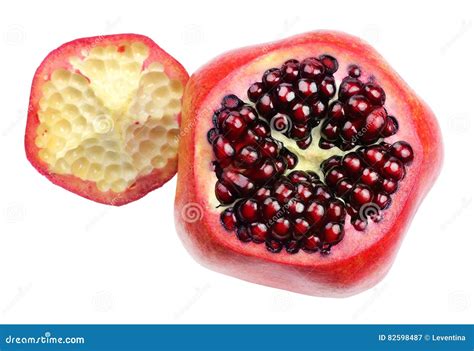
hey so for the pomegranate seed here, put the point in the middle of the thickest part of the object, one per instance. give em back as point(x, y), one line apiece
point(237, 181)
point(281, 228)
point(382, 200)
point(374, 93)
point(262, 129)
point(318, 108)
point(335, 211)
point(359, 224)
point(330, 130)
point(231, 102)
point(322, 193)
point(393, 168)
point(403, 151)
point(212, 134)
point(299, 176)
point(370, 177)
point(311, 244)
point(349, 87)
point(391, 127)
point(222, 148)
point(283, 191)
point(270, 208)
point(290, 71)
point(330, 162)
point(265, 106)
point(324, 144)
point(255, 91)
point(243, 234)
point(233, 126)
point(284, 95)
point(333, 233)
point(306, 88)
point(315, 212)
point(247, 157)
point(336, 111)
point(271, 77)
point(295, 208)
point(291, 158)
point(389, 186)
point(343, 187)
point(352, 164)
point(313, 69)
point(357, 106)
point(262, 194)
point(330, 63)
point(247, 210)
point(304, 191)
point(300, 113)
point(223, 194)
point(299, 132)
point(328, 88)
point(303, 144)
point(292, 246)
point(361, 194)
point(354, 71)
point(334, 174)
point(228, 219)
point(273, 245)
point(248, 114)
point(258, 231)
point(373, 155)
point(269, 148)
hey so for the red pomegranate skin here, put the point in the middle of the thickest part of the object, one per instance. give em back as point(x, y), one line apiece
point(360, 260)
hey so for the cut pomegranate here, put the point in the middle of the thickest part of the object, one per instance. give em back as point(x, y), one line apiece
point(320, 185)
point(104, 117)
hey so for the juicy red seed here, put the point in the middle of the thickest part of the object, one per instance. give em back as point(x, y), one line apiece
point(359, 224)
point(389, 186)
point(403, 151)
point(304, 143)
point(351, 129)
point(300, 227)
point(343, 187)
point(370, 177)
point(318, 108)
point(315, 213)
point(255, 91)
point(247, 210)
point(382, 200)
point(262, 194)
point(300, 113)
point(222, 148)
point(349, 87)
point(219, 117)
point(258, 231)
point(335, 211)
point(283, 191)
point(354, 71)
point(352, 211)
point(304, 191)
point(334, 174)
point(265, 106)
point(300, 132)
point(375, 123)
point(330, 63)
point(243, 234)
point(299, 176)
point(325, 144)
point(273, 245)
point(322, 193)
point(238, 182)
point(262, 129)
point(284, 94)
point(223, 194)
point(248, 114)
point(271, 77)
point(270, 208)
point(291, 158)
point(329, 163)
point(290, 70)
point(306, 88)
point(280, 165)
point(231, 102)
point(391, 127)
point(269, 148)
point(374, 93)
point(336, 111)
point(212, 134)
point(333, 233)
point(263, 172)
point(281, 228)
point(228, 219)
point(393, 168)
point(352, 164)
point(313, 69)
point(357, 106)
point(292, 246)
point(295, 208)
point(373, 155)
point(361, 194)
point(313, 175)
point(247, 156)
point(328, 88)
point(311, 244)
point(330, 130)
point(233, 126)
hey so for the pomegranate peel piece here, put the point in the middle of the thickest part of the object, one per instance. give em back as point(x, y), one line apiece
point(103, 118)
point(329, 220)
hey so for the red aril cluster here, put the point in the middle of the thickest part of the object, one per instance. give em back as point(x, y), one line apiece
point(269, 202)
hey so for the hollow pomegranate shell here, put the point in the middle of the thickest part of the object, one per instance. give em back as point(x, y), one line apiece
point(361, 259)
point(59, 58)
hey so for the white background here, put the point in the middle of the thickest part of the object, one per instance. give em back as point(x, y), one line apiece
point(64, 259)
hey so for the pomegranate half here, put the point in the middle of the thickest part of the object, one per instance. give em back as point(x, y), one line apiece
point(302, 163)
point(103, 118)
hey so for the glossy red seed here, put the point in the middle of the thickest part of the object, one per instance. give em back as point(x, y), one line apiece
point(357, 106)
point(228, 219)
point(311, 244)
point(389, 186)
point(247, 156)
point(300, 228)
point(300, 113)
point(258, 231)
point(328, 88)
point(403, 151)
point(313, 69)
point(361, 194)
point(306, 88)
point(330, 63)
point(248, 211)
point(352, 163)
point(393, 168)
point(354, 71)
point(315, 213)
point(284, 95)
point(391, 127)
point(370, 177)
point(231, 102)
point(270, 208)
point(281, 228)
point(349, 87)
point(223, 194)
point(290, 70)
point(243, 234)
point(283, 191)
point(332, 233)
point(335, 211)
point(334, 174)
point(255, 92)
point(271, 77)
point(374, 93)
point(295, 208)
point(223, 148)
point(265, 106)
point(273, 245)
point(304, 191)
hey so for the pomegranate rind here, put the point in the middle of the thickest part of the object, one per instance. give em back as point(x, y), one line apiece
point(59, 58)
point(361, 259)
